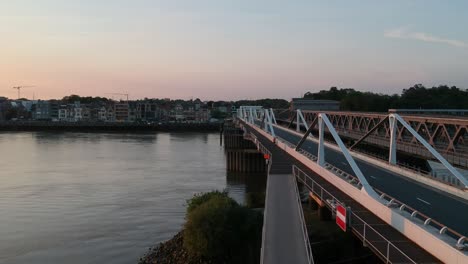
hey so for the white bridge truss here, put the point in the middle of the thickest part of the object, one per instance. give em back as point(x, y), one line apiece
point(265, 119)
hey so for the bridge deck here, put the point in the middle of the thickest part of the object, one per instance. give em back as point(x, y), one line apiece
point(429, 201)
point(282, 164)
point(283, 240)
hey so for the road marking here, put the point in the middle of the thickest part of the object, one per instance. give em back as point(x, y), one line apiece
point(344, 163)
point(373, 177)
point(423, 201)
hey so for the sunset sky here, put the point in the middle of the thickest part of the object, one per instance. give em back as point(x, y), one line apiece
point(229, 49)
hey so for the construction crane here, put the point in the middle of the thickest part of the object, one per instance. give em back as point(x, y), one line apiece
point(126, 94)
point(19, 89)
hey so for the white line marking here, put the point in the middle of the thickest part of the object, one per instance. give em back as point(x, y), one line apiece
point(341, 217)
point(373, 177)
point(344, 163)
point(423, 201)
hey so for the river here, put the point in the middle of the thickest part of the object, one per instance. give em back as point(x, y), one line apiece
point(102, 198)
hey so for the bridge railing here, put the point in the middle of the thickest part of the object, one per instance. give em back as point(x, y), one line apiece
point(264, 150)
point(370, 237)
point(404, 209)
point(353, 180)
point(426, 220)
point(310, 257)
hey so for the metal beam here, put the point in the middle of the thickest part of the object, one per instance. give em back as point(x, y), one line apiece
point(370, 132)
point(292, 120)
point(273, 116)
point(269, 122)
point(436, 154)
point(393, 135)
point(309, 130)
point(365, 185)
point(321, 144)
point(300, 117)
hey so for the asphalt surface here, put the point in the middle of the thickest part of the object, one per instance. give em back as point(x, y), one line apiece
point(441, 207)
point(284, 240)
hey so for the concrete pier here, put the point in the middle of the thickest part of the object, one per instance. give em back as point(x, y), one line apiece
point(241, 154)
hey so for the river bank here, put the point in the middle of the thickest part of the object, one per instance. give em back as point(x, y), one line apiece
point(217, 230)
point(172, 252)
point(108, 126)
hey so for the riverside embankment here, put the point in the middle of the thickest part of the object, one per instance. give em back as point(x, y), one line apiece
point(108, 126)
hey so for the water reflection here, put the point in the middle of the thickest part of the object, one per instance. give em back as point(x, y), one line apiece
point(246, 188)
point(99, 198)
point(103, 197)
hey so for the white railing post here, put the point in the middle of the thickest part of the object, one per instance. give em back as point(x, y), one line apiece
point(321, 147)
point(393, 132)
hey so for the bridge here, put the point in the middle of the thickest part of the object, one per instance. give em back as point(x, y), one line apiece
point(403, 215)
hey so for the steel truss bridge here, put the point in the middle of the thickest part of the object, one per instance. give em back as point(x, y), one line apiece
point(403, 216)
point(447, 134)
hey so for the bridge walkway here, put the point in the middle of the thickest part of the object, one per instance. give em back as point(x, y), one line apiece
point(282, 164)
point(283, 240)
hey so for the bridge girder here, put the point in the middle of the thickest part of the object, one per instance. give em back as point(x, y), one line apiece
point(447, 135)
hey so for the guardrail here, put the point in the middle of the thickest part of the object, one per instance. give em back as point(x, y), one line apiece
point(310, 257)
point(261, 148)
point(370, 237)
point(392, 202)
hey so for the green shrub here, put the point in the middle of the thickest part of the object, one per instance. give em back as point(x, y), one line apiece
point(220, 229)
point(200, 198)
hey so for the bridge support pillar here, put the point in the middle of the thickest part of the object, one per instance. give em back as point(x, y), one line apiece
point(241, 154)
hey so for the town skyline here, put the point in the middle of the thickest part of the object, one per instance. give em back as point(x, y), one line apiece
point(229, 50)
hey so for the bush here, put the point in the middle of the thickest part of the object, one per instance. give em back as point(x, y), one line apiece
point(220, 229)
point(200, 198)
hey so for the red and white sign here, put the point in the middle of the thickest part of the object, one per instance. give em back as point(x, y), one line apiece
point(341, 217)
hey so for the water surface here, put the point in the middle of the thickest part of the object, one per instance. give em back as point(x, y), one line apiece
point(101, 198)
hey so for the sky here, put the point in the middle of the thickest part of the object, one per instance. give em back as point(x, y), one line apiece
point(229, 49)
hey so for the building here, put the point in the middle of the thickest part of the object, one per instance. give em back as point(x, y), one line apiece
point(121, 111)
point(65, 113)
point(148, 110)
point(202, 115)
point(4, 106)
point(314, 105)
point(41, 110)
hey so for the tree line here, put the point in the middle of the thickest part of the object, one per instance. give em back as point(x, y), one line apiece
point(415, 97)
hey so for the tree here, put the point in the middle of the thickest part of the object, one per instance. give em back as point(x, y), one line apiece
point(219, 229)
point(415, 97)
